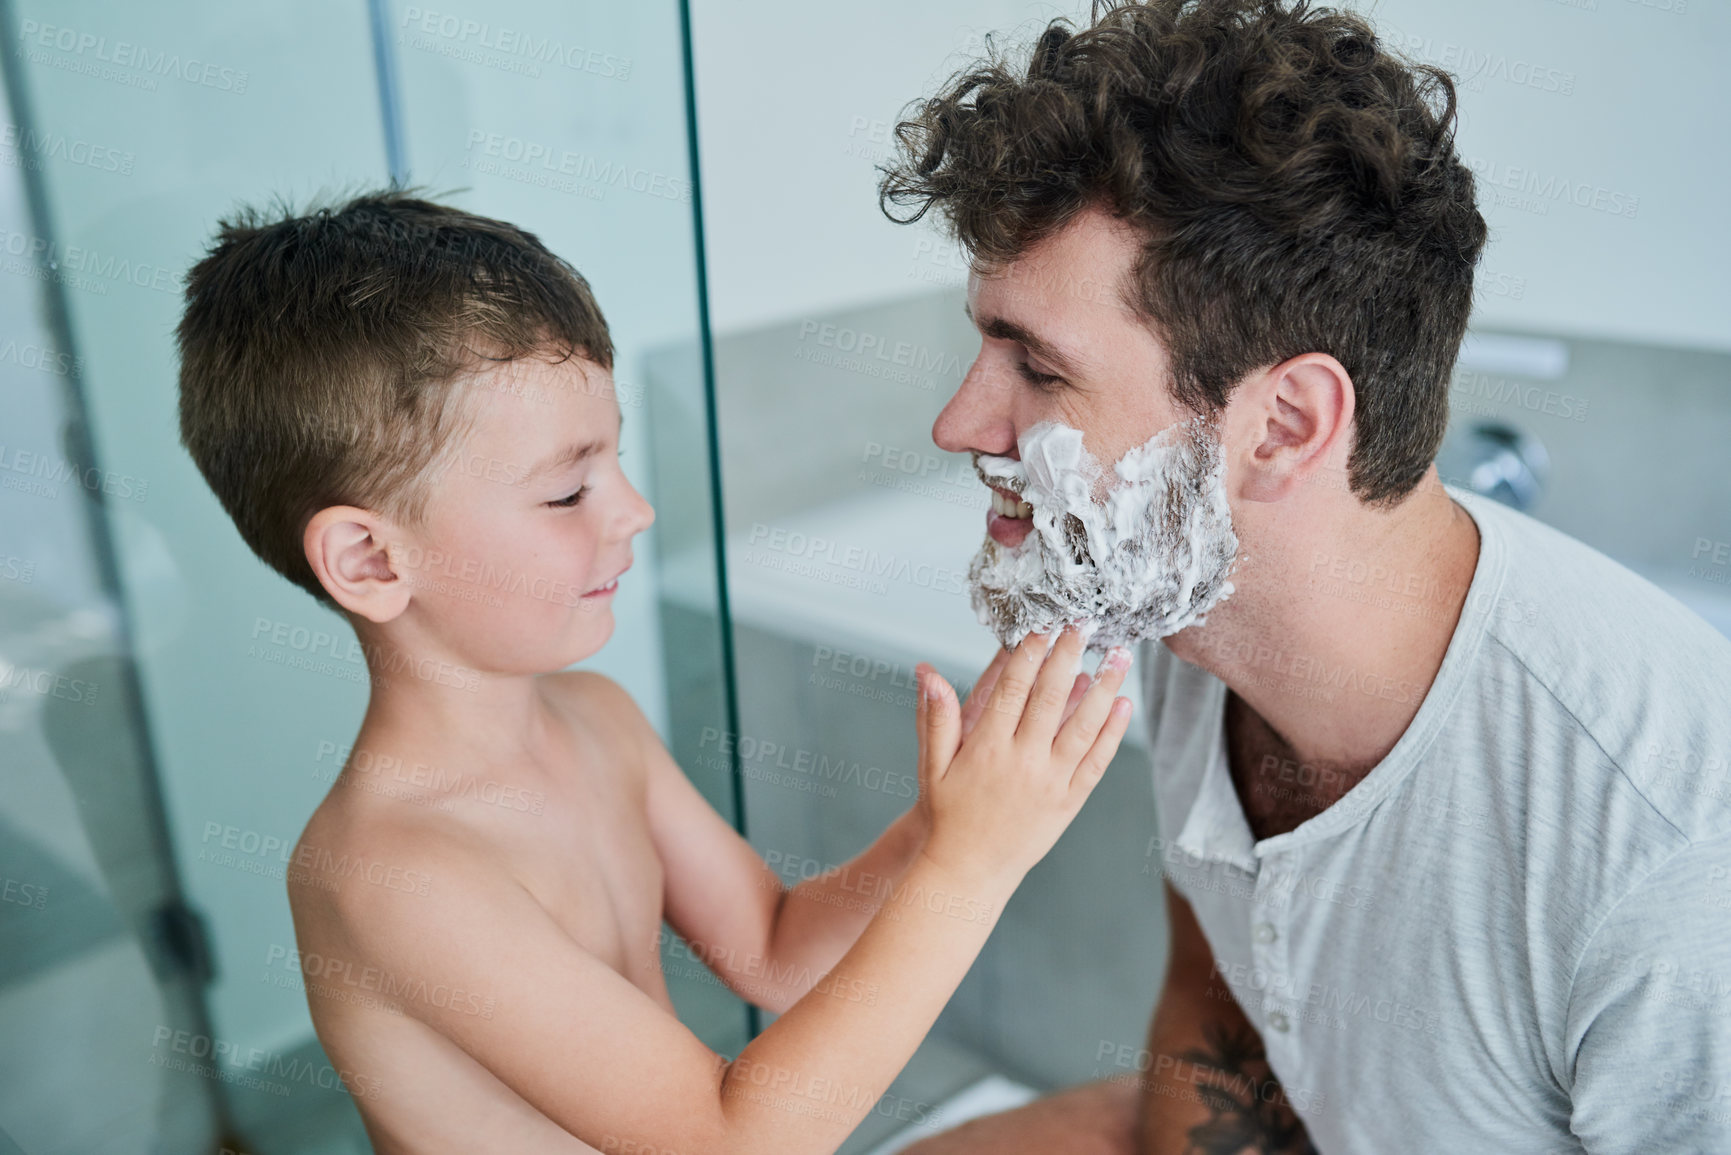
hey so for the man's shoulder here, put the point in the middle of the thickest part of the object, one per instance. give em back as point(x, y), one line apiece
point(1559, 600)
point(1610, 653)
point(1648, 1015)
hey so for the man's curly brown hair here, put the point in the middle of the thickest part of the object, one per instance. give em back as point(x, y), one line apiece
point(1295, 180)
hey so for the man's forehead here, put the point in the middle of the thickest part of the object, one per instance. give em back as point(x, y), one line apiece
point(1003, 303)
point(1072, 285)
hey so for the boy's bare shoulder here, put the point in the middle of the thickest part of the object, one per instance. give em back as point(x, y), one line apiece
point(595, 690)
point(380, 837)
point(362, 847)
point(603, 707)
point(356, 852)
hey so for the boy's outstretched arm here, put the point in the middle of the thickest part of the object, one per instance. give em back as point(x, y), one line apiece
point(592, 1052)
point(767, 942)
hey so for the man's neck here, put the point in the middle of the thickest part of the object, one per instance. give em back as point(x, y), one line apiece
point(1333, 640)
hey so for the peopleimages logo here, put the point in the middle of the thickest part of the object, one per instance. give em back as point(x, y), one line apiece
point(29, 355)
point(81, 267)
point(487, 149)
point(42, 474)
point(46, 683)
point(511, 49)
point(828, 560)
point(103, 58)
point(232, 1062)
point(1472, 67)
point(1470, 386)
point(302, 647)
point(31, 146)
point(1533, 191)
point(905, 354)
point(758, 755)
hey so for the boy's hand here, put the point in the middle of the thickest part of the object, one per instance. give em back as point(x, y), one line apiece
point(977, 698)
point(982, 692)
point(1038, 740)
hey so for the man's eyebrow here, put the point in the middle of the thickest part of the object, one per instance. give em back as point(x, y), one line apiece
point(1008, 330)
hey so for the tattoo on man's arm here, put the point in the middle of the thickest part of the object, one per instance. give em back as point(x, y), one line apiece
point(1248, 1109)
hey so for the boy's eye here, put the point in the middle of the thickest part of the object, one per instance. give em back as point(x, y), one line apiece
point(568, 502)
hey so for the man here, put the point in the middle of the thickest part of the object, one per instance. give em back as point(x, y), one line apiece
point(1441, 793)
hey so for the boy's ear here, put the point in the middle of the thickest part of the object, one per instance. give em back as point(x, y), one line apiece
point(1295, 423)
point(345, 547)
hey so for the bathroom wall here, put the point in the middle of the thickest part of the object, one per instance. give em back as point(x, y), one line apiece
point(1638, 436)
point(1582, 118)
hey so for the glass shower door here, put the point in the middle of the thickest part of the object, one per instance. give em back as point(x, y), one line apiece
point(170, 710)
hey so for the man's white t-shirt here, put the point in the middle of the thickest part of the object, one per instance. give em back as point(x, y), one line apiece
point(1513, 935)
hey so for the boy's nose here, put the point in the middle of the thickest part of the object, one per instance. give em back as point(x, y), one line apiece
point(638, 514)
point(977, 417)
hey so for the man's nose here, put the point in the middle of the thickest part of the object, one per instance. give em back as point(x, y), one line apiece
point(977, 417)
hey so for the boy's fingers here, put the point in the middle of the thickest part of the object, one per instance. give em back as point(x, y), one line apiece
point(1093, 766)
point(1045, 709)
point(982, 691)
point(940, 725)
point(920, 761)
point(1077, 689)
point(1004, 708)
point(1083, 728)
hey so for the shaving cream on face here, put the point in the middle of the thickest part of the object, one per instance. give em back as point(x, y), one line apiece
point(1146, 558)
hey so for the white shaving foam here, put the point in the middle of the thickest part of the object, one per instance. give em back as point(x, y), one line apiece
point(1150, 558)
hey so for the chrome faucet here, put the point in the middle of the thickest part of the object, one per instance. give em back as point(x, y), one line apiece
point(1497, 461)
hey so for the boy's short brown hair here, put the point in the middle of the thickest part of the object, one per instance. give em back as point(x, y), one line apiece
point(1294, 180)
point(319, 355)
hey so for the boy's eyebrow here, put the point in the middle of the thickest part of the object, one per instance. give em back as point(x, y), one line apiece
point(1008, 330)
point(566, 457)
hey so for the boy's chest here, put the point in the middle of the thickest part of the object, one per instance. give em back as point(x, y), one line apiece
point(592, 866)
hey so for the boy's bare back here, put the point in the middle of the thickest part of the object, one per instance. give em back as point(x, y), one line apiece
point(571, 832)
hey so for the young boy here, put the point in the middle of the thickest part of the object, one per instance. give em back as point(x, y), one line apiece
point(408, 411)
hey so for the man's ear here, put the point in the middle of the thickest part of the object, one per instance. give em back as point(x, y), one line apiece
point(345, 547)
point(1295, 422)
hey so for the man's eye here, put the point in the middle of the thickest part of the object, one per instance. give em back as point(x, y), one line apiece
point(568, 502)
point(1044, 381)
